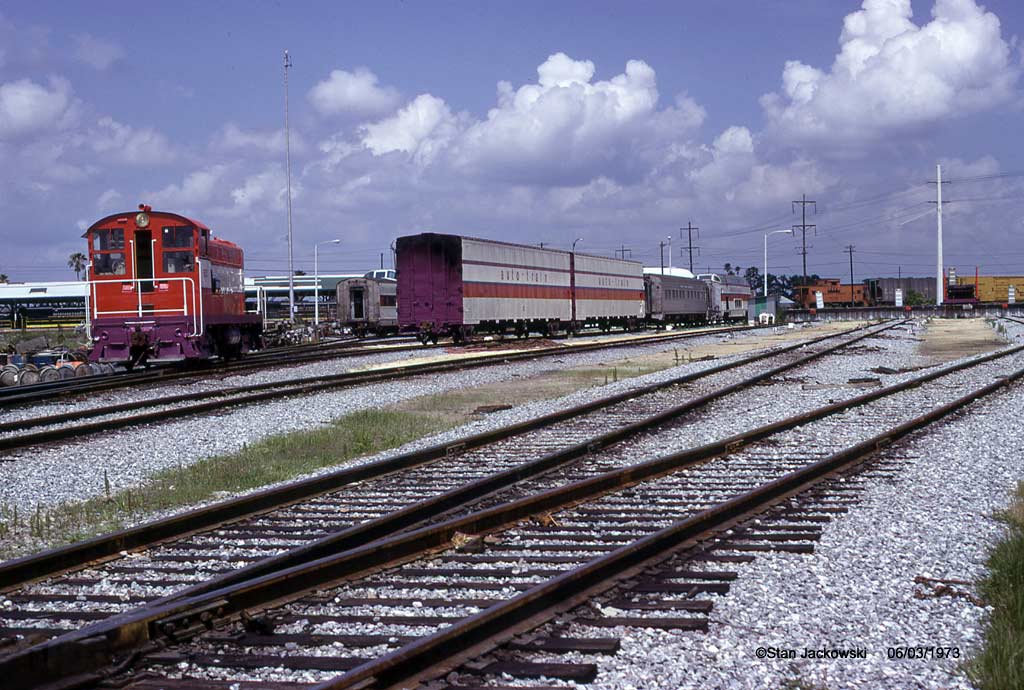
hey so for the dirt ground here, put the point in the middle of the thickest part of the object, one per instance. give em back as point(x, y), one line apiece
point(946, 339)
point(726, 345)
point(468, 404)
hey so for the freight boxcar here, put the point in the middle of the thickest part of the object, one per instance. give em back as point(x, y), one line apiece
point(453, 285)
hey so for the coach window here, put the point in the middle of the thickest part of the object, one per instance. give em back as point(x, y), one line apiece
point(108, 264)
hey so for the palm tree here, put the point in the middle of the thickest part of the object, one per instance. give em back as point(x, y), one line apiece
point(76, 262)
point(4, 278)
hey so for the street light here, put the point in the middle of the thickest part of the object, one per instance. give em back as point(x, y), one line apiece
point(670, 254)
point(316, 286)
point(773, 232)
point(574, 243)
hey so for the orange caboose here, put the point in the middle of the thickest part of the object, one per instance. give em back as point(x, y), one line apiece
point(162, 288)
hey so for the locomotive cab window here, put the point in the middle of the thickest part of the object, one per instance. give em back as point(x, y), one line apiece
point(109, 264)
point(107, 239)
point(177, 237)
point(179, 262)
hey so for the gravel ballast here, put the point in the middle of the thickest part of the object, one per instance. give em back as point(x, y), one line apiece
point(857, 591)
point(79, 470)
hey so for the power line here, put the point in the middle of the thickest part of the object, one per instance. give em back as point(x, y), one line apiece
point(689, 235)
point(849, 250)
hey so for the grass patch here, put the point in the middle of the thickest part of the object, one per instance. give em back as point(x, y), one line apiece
point(463, 404)
point(1000, 663)
point(280, 458)
point(268, 461)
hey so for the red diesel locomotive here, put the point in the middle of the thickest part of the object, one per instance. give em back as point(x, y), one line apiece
point(162, 288)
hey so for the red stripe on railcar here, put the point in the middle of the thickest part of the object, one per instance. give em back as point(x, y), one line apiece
point(505, 290)
point(512, 291)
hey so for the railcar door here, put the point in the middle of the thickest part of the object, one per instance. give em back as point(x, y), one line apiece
point(356, 304)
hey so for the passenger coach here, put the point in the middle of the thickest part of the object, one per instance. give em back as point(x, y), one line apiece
point(161, 287)
point(448, 284)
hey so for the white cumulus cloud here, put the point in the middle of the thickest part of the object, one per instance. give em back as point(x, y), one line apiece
point(109, 200)
point(567, 129)
point(196, 189)
point(891, 74)
point(354, 92)
point(233, 139)
point(125, 144)
point(27, 107)
point(266, 189)
point(421, 129)
point(96, 52)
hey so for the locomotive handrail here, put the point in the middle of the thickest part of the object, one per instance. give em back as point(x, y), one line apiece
point(93, 312)
point(199, 312)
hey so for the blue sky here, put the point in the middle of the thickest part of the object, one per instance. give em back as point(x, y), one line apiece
point(534, 122)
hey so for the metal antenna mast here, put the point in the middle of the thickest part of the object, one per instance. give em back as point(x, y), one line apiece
point(288, 168)
point(938, 229)
point(804, 227)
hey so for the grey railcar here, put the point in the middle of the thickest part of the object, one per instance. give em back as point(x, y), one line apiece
point(368, 306)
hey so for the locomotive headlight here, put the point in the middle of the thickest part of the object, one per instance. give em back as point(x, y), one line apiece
point(142, 219)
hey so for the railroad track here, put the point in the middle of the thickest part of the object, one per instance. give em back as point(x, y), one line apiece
point(352, 515)
point(275, 357)
point(495, 592)
point(60, 426)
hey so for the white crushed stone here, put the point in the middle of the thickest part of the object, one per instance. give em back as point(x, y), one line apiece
point(78, 470)
point(857, 590)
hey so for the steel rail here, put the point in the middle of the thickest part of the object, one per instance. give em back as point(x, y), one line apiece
point(18, 572)
point(41, 392)
point(460, 497)
point(433, 656)
point(96, 645)
point(241, 395)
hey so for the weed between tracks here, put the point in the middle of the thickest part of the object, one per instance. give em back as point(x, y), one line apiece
point(272, 460)
point(282, 458)
point(1000, 663)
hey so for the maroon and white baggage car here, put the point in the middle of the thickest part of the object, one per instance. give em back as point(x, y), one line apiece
point(452, 285)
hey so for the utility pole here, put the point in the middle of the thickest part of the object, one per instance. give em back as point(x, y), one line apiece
point(849, 250)
point(661, 246)
point(804, 227)
point(939, 292)
point(622, 251)
point(288, 166)
point(689, 234)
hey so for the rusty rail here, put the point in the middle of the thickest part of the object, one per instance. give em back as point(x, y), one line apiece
point(19, 571)
point(96, 645)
